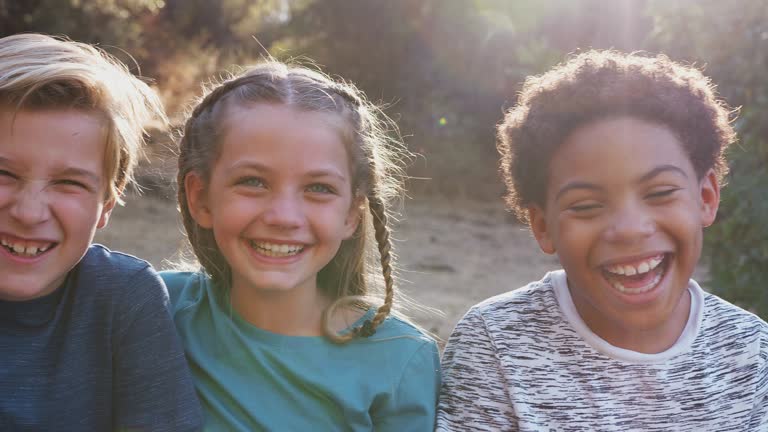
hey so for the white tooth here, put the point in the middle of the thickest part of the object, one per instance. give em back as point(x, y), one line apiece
point(617, 270)
point(643, 268)
point(18, 248)
point(43, 249)
point(618, 286)
point(283, 248)
point(655, 262)
point(629, 270)
point(31, 250)
point(3, 242)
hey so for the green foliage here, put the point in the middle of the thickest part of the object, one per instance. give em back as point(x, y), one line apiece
point(731, 39)
point(738, 243)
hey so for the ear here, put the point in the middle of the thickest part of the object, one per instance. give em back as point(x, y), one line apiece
point(354, 215)
point(197, 199)
point(106, 211)
point(709, 191)
point(538, 221)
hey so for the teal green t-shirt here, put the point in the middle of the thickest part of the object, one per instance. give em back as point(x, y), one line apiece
point(249, 379)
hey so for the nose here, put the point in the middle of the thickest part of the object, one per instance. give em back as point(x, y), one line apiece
point(30, 205)
point(630, 223)
point(284, 211)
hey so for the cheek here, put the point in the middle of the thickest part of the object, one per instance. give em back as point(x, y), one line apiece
point(682, 222)
point(75, 207)
point(576, 236)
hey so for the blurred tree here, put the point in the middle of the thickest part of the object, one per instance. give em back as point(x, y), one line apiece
point(448, 67)
point(178, 43)
point(731, 39)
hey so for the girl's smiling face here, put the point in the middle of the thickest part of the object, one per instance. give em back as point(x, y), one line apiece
point(624, 213)
point(279, 198)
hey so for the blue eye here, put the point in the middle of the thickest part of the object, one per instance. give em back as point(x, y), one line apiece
point(251, 181)
point(320, 188)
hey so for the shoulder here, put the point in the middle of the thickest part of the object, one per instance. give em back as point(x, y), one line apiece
point(101, 261)
point(399, 331)
point(734, 336)
point(727, 321)
point(534, 300)
point(401, 341)
point(110, 273)
point(184, 287)
point(407, 351)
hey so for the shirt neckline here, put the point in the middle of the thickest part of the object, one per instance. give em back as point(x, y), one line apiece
point(221, 302)
point(683, 343)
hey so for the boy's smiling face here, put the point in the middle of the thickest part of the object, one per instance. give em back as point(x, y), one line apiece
point(624, 213)
point(52, 190)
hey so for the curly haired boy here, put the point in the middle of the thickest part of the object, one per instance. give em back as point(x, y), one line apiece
point(616, 162)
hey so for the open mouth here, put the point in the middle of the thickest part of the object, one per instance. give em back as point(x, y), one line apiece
point(26, 249)
point(637, 277)
point(276, 250)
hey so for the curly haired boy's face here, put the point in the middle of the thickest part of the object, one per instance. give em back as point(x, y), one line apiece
point(624, 213)
point(52, 190)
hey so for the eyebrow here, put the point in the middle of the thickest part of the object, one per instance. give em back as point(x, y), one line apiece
point(71, 171)
point(661, 169)
point(644, 178)
point(576, 185)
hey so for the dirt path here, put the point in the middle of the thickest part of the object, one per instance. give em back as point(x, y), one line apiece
point(451, 254)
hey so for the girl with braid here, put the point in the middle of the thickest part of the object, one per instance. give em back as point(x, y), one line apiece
point(285, 178)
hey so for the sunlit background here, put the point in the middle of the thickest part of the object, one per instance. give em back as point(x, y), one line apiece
point(446, 70)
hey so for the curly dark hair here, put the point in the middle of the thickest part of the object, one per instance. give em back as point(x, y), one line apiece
point(597, 85)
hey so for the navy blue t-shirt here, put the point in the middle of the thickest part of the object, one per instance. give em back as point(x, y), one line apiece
point(100, 353)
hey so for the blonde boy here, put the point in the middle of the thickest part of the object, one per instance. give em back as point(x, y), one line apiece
point(86, 340)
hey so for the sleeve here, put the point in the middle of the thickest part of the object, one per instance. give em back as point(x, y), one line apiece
point(474, 394)
point(413, 406)
point(152, 387)
point(759, 417)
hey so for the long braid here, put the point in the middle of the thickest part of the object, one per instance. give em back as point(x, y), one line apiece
point(368, 328)
point(379, 213)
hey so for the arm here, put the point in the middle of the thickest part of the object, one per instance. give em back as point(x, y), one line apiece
point(474, 394)
point(412, 407)
point(759, 417)
point(152, 386)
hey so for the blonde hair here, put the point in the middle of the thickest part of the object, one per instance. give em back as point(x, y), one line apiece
point(39, 72)
point(376, 177)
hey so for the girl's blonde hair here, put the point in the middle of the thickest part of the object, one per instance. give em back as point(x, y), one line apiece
point(376, 177)
point(39, 72)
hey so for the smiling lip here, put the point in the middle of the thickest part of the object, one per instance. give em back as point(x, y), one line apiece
point(276, 251)
point(25, 250)
point(636, 280)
